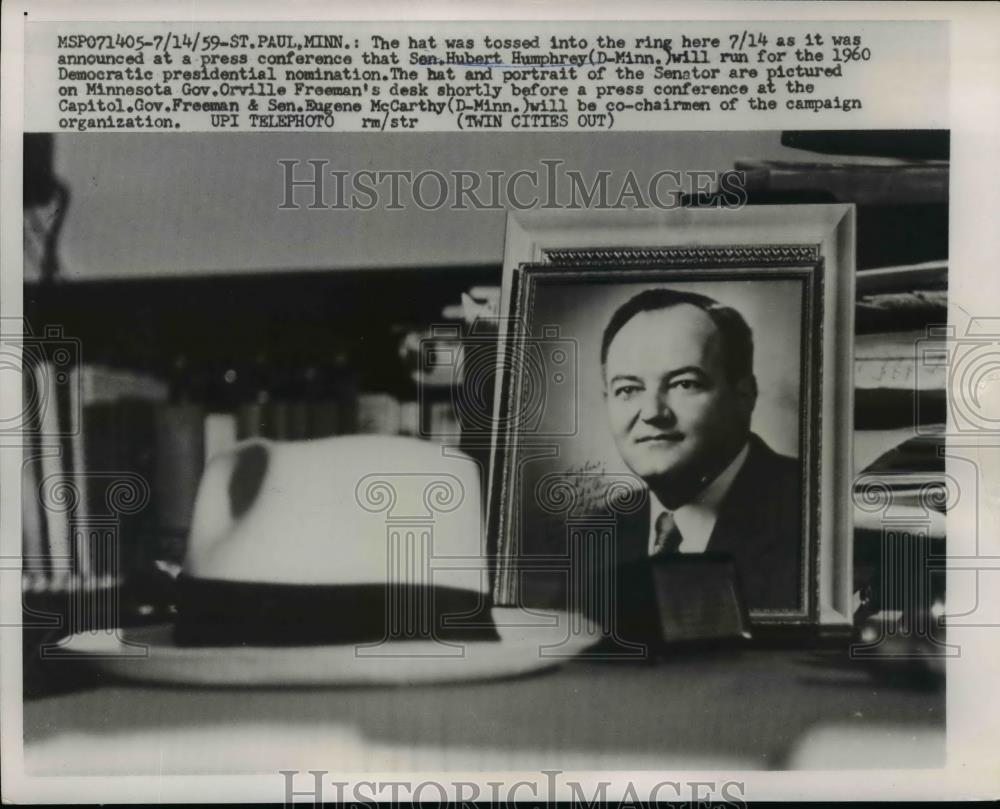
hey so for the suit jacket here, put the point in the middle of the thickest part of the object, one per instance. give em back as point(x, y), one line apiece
point(758, 524)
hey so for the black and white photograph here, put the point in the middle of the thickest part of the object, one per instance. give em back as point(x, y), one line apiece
point(440, 452)
point(708, 415)
point(535, 431)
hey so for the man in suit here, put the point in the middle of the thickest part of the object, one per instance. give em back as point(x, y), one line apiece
point(680, 393)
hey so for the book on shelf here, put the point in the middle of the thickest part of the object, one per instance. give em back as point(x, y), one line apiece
point(900, 513)
point(119, 411)
point(913, 472)
point(250, 419)
point(323, 418)
point(80, 527)
point(298, 420)
point(902, 298)
point(119, 451)
point(277, 417)
point(904, 144)
point(179, 453)
point(54, 472)
point(32, 529)
point(908, 360)
point(900, 378)
point(220, 433)
point(927, 275)
point(34, 540)
point(870, 445)
point(919, 454)
point(890, 311)
point(104, 383)
point(909, 473)
point(873, 181)
point(62, 499)
point(295, 405)
point(442, 422)
point(378, 413)
point(409, 418)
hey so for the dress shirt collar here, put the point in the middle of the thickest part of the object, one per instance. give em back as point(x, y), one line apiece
point(696, 520)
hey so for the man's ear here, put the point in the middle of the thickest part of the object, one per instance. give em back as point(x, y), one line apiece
point(746, 389)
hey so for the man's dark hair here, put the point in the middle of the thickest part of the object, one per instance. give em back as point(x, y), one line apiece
point(737, 339)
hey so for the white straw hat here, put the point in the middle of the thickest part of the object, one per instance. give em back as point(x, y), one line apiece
point(356, 559)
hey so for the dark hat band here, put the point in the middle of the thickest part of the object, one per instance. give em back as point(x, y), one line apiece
point(213, 612)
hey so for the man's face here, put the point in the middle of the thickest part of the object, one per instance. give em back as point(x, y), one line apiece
point(674, 415)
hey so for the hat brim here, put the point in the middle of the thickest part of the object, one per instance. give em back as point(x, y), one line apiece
point(529, 642)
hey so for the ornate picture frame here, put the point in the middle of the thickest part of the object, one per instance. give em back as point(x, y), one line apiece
point(803, 253)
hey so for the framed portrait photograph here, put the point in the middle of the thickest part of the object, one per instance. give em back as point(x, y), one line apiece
point(676, 388)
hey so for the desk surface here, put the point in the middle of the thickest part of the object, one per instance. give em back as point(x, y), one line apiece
point(756, 709)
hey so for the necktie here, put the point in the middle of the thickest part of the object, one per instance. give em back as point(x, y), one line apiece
point(668, 537)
